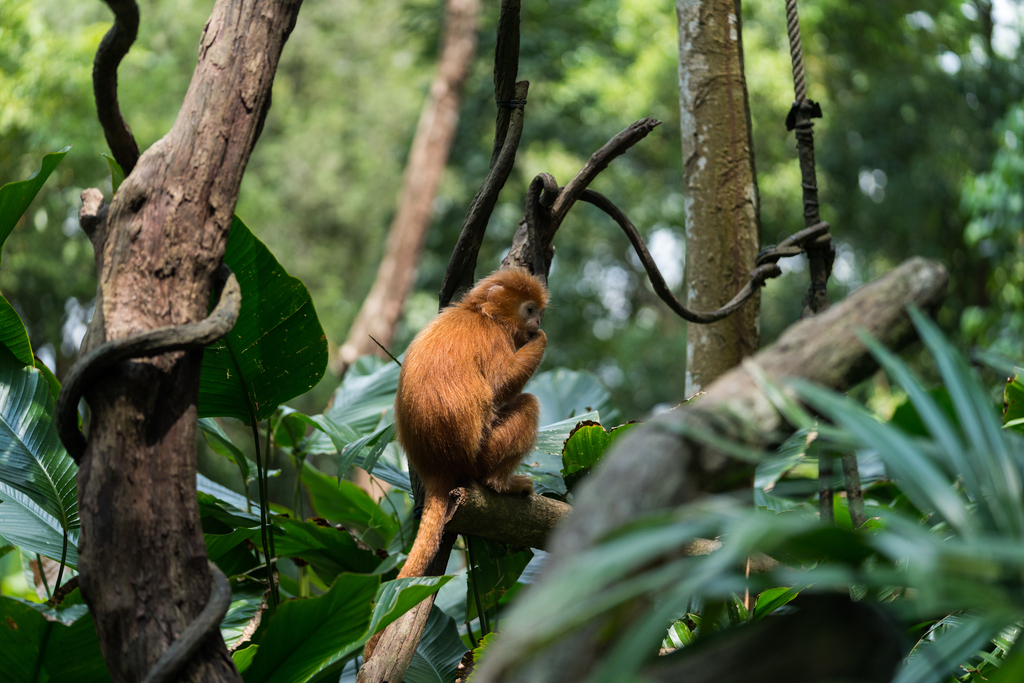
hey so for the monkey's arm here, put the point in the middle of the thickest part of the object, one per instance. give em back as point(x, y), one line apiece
point(511, 371)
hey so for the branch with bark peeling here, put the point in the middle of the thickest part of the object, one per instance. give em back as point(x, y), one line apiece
point(655, 467)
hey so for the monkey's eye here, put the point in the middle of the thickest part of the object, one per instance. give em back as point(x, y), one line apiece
point(530, 309)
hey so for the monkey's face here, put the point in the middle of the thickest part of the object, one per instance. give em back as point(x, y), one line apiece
point(530, 315)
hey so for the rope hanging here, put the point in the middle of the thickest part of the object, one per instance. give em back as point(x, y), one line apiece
point(820, 253)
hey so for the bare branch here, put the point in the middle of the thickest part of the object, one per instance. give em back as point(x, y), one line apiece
point(525, 522)
point(757, 276)
point(506, 66)
point(112, 49)
point(599, 161)
point(459, 275)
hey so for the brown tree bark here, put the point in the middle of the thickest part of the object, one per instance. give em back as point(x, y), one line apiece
point(142, 554)
point(723, 228)
point(439, 120)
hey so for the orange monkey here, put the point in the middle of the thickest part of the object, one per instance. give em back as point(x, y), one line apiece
point(459, 412)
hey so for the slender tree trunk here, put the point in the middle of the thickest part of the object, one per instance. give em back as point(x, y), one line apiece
point(438, 122)
point(723, 230)
point(142, 554)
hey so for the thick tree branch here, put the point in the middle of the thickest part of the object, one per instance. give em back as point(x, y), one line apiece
point(522, 522)
point(656, 467)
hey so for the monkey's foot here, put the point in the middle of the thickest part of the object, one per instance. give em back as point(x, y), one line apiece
point(517, 483)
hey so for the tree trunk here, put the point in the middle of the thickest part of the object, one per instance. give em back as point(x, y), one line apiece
point(723, 228)
point(142, 554)
point(438, 122)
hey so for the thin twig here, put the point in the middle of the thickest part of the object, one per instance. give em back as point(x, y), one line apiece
point(112, 49)
point(385, 350)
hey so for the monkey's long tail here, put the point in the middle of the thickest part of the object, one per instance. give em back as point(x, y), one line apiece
point(424, 548)
point(428, 538)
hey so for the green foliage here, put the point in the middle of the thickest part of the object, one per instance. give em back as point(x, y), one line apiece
point(993, 201)
point(439, 653)
point(583, 450)
point(275, 351)
point(306, 637)
point(33, 461)
point(47, 644)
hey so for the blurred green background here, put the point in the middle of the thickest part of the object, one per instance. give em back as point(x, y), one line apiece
point(919, 153)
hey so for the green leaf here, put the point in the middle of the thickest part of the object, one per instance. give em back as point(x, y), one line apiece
point(936, 661)
point(221, 443)
point(13, 334)
point(329, 551)
point(306, 636)
point(1013, 401)
point(359, 403)
point(32, 458)
point(32, 529)
point(770, 600)
point(377, 441)
point(277, 349)
point(116, 172)
point(246, 598)
point(243, 658)
point(343, 502)
point(544, 464)
point(585, 446)
point(567, 393)
point(51, 379)
point(495, 571)
point(16, 197)
point(395, 598)
point(438, 653)
point(36, 648)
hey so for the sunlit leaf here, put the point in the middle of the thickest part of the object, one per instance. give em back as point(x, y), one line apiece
point(276, 351)
point(15, 197)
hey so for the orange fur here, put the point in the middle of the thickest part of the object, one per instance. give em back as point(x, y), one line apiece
point(459, 412)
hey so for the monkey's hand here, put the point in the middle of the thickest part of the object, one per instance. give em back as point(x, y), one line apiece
point(539, 338)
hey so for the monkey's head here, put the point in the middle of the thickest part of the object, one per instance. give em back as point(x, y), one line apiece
point(513, 297)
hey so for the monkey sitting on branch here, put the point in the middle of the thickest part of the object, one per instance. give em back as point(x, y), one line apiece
point(460, 413)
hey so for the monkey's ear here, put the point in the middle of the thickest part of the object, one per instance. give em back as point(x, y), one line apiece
point(495, 291)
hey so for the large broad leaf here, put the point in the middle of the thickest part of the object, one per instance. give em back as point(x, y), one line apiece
point(439, 652)
point(358, 404)
point(345, 503)
point(32, 529)
point(15, 197)
point(329, 551)
point(495, 571)
point(13, 334)
point(305, 636)
point(246, 599)
point(277, 349)
point(32, 458)
point(36, 648)
point(567, 393)
point(544, 464)
point(585, 446)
